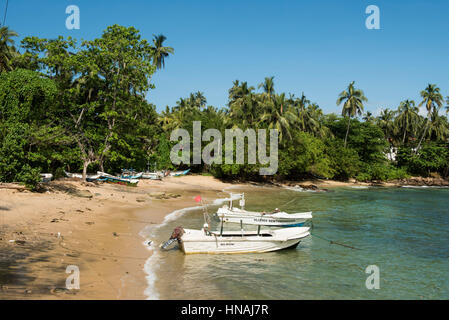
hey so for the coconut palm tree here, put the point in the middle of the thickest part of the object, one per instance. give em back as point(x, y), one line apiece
point(433, 100)
point(300, 106)
point(407, 117)
point(239, 91)
point(268, 86)
point(160, 52)
point(313, 121)
point(385, 122)
point(277, 115)
point(447, 104)
point(7, 49)
point(352, 100)
point(368, 117)
point(166, 119)
point(246, 110)
point(438, 126)
point(198, 100)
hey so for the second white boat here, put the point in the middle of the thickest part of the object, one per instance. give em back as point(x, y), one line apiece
point(229, 213)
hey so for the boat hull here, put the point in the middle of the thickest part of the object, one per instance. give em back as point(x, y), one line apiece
point(179, 173)
point(152, 176)
point(253, 218)
point(105, 177)
point(196, 241)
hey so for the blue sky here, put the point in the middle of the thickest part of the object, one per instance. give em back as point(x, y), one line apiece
point(313, 46)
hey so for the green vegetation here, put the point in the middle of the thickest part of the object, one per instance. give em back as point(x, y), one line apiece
point(75, 106)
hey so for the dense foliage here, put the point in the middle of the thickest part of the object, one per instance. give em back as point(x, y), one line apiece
point(83, 107)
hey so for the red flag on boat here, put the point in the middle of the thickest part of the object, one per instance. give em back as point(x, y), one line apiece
point(198, 198)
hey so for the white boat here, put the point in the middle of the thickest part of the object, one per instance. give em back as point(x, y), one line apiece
point(179, 173)
point(131, 175)
point(202, 241)
point(46, 177)
point(89, 177)
point(106, 177)
point(152, 175)
point(275, 219)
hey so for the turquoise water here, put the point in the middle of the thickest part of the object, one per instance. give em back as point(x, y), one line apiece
point(403, 231)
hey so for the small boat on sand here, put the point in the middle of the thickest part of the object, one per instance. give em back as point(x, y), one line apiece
point(118, 180)
point(89, 177)
point(46, 177)
point(132, 176)
point(152, 175)
point(277, 218)
point(179, 173)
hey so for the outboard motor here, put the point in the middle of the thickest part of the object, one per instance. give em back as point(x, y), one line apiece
point(175, 236)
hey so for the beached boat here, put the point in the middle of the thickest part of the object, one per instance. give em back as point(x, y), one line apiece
point(179, 173)
point(106, 177)
point(89, 177)
point(229, 213)
point(132, 175)
point(152, 175)
point(202, 241)
point(46, 177)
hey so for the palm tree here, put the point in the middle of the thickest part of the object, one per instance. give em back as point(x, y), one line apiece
point(368, 117)
point(198, 99)
point(245, 111)
point(7, 50)
point(432, 99)
point(438, 126)
point(408, 117)
point(301, 113)
point(353, 104)
point(447, 104)
point(239, 91)
point(278, 116)
point(313, 121)
point(160, 52)
point(166, 119)
point(268, 86)
point(385, 122)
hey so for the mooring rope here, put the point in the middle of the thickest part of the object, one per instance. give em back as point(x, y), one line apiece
point(332, 241)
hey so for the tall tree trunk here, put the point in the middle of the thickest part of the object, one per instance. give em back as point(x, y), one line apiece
point(403, 138)
point(347, 131)
point(85, 165)
point(424, 134)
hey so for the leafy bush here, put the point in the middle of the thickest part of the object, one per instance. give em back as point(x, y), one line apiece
point(382, 172)
point(344, 162)
point(30, 177)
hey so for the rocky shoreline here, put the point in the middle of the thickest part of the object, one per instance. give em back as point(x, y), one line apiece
point(421, 181)
point(322, 184)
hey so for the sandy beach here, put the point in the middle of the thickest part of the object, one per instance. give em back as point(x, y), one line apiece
point(95, 227)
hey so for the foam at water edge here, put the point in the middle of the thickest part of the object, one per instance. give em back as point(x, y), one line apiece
point(434, 187)
point(151, 264)
point(150, 269)
point(298, 189)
